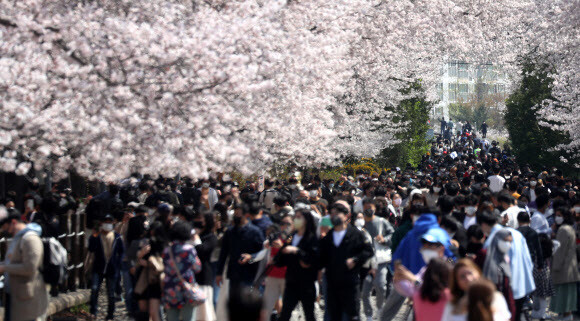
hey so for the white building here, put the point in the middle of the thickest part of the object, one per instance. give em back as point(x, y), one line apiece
point(464, 82)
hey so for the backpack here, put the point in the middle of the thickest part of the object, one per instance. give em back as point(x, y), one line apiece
point(55, 262)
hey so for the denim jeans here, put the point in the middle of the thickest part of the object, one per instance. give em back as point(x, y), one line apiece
point(96, 281)
point(187, 313)
point(128, 285)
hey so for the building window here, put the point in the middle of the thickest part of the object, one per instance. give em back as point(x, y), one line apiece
point(463, 91)
point(452, 92)
point(462, 70)
point(452, 69)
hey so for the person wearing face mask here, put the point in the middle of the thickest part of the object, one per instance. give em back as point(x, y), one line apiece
point(565, 273)
point(208, 196)
point(497, 269)
point(433, 194)
point(343, 251)
point(522, 282)
point(300, 257)
point(470, 211)
point(395, 206)
point(107, 250)
point(432, 247)
point(26, 297)
point(408, 255)
point(243, 237)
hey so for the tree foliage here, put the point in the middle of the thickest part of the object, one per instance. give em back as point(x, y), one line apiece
point(530, 141)
point(414, 113)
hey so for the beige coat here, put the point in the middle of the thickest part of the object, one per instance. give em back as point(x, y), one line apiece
point(29, 297)
point(564, 264)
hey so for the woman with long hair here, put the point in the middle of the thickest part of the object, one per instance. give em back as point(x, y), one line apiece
point(497, 268)
point(465, 273)
point(204, 226)
point(429, 302)
point(299, 255)
point(479, 301)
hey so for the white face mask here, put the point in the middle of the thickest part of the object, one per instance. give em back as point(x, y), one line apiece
point(577, 209)
point(107, 227)
point(360, 222)
point(470, 210)
point(313, 193)
point(533, 183)
point(292, 186)
point(559, 220)
point(504, 246)
point(397, 202)
point(428, 255)
point(205, 185)
point(436, 189)
point(414, 218)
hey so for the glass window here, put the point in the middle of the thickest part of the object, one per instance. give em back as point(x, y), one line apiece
point(452, 69)
point(462, 70)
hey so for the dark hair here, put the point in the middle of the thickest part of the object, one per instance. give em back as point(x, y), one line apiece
point(310, 230)
point(280, 200)
point(513, 185)
point(180, 231)
point(446, 203)
point(452, 189)
point(449, 223)
point(480, 296)
point(487, 218)
point(504, 197)
point(523, 217)
point(567, 214)
point(435, 280)
point(542, 200)
point(244, 304)
point(475, 231)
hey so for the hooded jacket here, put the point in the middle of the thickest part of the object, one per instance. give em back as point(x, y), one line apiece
point(408, 249)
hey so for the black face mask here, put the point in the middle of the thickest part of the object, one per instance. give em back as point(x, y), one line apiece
point(335, 220)
point(237, 220)
point(198, 224)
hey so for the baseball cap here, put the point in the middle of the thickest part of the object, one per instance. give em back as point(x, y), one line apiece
point(436, 235)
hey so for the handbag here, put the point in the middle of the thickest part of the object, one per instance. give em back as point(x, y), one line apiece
point(192, 292)
point(383, 253)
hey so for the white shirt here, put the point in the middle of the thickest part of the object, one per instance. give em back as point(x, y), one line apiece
point(296, 239)
point(512, 214)
point(496, 183)
point(468, 221)
point(539, 223)
point(337, 237)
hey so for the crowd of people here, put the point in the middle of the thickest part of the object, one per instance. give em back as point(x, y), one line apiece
point(468, 234)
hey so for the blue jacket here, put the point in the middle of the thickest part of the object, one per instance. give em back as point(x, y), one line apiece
point(522, 281)
point(408, 249)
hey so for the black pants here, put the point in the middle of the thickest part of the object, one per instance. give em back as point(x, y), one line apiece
point(295, 292)
point(519, 307)
point(343, 300)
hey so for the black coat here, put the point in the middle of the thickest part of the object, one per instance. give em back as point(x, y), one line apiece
point(533, 240)
point(333, 259)
point(308, 254)
point(208, 243)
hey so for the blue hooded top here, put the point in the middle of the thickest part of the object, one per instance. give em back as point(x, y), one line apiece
point(408, 249)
